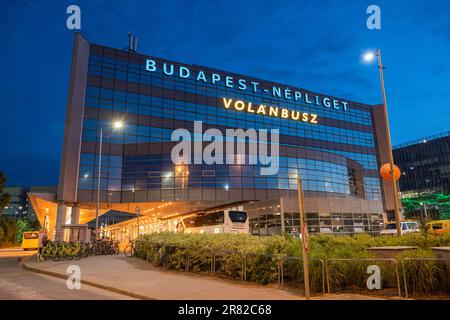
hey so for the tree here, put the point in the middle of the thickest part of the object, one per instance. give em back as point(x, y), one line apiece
point(439, 201)
point(4, 197)
point(11, 230)
point(2, 233)
point(22, 226)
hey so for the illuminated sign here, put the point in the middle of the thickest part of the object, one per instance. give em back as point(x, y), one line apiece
point(262, 109)
point(231, 82)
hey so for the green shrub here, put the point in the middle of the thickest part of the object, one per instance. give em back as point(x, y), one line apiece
point(261, 257)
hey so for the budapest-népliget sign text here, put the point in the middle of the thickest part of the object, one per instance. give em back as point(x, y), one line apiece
point(169, 69)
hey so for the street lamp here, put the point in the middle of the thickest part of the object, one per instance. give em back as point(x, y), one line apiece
point(368, 57)
point(304, 231)
point(425, 210)
point(115, 125)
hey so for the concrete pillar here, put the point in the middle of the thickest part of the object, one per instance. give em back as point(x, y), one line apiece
point(75, 215)
point(60, 219)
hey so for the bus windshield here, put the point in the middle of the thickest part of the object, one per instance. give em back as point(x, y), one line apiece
point(209, 219)
point(237, 216)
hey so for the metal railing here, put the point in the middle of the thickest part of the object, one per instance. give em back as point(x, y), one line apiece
point(328, 261)
point(241, 269)
point(299, 259)
point(405, 282)
point(155, 248)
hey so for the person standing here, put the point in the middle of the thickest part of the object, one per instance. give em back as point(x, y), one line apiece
point(43, 240)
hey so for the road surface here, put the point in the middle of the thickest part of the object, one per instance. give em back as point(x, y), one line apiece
point(19, 284)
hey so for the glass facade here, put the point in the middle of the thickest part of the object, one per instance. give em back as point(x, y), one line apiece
point(425, 165)
point(336, 158)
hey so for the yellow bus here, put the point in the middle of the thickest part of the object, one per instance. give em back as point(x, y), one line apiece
point(439, 227)
point(30, 240)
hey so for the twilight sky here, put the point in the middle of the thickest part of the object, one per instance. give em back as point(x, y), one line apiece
point(315, 45)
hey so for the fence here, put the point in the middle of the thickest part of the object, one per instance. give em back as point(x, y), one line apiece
point(437, 278)
point(355, 273)
point(292, 273)
point(287, 271)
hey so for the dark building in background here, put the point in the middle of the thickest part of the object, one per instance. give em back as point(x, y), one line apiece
point(425, 165)
point(425, 179)
point(18, 206)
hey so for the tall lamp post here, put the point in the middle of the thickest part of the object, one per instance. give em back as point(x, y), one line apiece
point(115, 125)
point(369, 56)
point(425, 210)
point(304, 235)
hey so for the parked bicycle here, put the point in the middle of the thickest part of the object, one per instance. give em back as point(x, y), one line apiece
point(60, 251)
point(130, 248)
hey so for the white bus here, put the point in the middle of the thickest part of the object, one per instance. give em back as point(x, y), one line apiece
point(222, 221)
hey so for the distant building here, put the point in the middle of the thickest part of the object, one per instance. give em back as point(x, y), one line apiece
point(425, 165)
point(425, 168)
point(19, 206)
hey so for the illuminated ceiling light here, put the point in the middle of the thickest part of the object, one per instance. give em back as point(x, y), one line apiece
point(86, 175)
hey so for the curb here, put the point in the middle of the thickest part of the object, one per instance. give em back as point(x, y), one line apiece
point(89, 283)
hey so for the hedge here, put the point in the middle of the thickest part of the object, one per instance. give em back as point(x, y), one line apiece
point(262, 256)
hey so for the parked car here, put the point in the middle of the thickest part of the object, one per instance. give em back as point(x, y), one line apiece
point(405, 227)
point(439, 226)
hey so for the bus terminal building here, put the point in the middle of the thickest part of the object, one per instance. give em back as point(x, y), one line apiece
point(336, 146)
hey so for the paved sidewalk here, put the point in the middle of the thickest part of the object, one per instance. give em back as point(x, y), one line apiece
point(139, 279)
point(15, 252)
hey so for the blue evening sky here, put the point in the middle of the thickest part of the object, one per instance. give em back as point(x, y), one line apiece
point(315, 45)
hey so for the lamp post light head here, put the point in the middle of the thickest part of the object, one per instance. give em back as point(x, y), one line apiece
point(369, 56)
